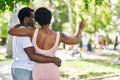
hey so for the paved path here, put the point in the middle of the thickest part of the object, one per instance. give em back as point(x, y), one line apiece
point(5, 70)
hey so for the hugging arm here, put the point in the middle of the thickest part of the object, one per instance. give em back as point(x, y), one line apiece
point(72, 40)
point(41, 58)
point(16, 31)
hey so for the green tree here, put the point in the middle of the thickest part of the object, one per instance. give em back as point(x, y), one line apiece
point(4, 26)
point(5, 7)
point(10, 4)
point(97, 13)
point(60, 15)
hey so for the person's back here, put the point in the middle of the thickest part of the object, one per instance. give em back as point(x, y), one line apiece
point(45, 42)
point(46, 39)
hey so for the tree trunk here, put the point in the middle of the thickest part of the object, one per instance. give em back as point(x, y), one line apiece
point(70, 15)
point(9, 47)
point(13, 21)
point(77, 22)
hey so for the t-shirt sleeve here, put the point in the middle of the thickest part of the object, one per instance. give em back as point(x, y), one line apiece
point(26, 42)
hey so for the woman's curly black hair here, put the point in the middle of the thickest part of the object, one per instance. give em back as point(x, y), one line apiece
point(43, 16)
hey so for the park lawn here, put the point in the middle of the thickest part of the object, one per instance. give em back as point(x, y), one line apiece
point(3, 58)
point(84, 68)
point(88, 68)
point(111, 46)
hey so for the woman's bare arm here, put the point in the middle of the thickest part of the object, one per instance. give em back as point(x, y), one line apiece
point(21, 31)
point(72, 40)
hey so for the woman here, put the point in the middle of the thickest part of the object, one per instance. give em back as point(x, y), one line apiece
point(46, 42)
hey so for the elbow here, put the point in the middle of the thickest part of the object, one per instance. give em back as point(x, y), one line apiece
point(9, 32)
point(77, 41)
point(32, 59)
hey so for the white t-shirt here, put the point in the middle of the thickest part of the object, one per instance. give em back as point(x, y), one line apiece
point(21, 60)
point(85, 40)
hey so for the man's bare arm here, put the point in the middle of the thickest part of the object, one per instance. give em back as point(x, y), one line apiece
point(41, 58)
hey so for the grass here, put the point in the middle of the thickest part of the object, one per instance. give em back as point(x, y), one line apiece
point(84, 68)
point(87, 68)
point(3, 58)
point(111, 46)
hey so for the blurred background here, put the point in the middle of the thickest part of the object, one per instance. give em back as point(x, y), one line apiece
point(101, 33)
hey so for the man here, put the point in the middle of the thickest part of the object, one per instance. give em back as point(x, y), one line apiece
point(24, 52)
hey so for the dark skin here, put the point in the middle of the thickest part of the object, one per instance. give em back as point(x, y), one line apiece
point(48, 37)
point(30, 51)
point(63, 37)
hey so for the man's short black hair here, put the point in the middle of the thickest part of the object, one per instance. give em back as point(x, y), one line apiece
point(24, 12)
point(43, 16)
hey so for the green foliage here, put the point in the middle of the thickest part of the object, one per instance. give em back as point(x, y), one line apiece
point(9, 4)
point(3, 58)
point(118, 8)
point(99, 14)
point(60, 16)
point(86, 4)
point(98, 2)
point(4, 24)
point(3, 30)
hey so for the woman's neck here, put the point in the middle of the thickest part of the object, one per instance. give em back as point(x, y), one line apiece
point(46, 28)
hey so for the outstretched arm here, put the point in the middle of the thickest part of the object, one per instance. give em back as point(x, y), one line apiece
point(72, 40)
point(16, 31)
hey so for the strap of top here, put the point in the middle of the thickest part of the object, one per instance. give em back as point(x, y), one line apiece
point(35, 37)
point(57, 39)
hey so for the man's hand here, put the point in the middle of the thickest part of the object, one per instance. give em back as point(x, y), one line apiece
point(17, 26)
point(81, 26)
point(57, 61)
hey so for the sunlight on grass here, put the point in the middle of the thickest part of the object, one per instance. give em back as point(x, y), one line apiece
point(3, 58)
point(86, 68)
